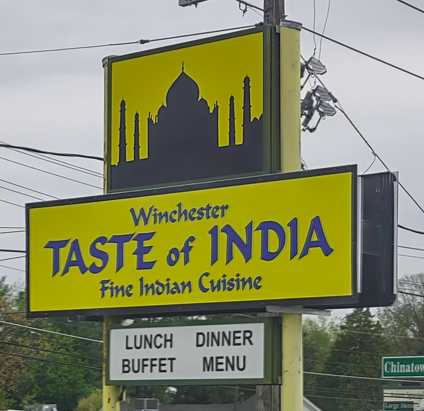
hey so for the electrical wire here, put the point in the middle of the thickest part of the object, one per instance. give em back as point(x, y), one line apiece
point(12, 268)
point(49, 351)
point(12, 232)
point(410, 229)
point(412, 294)
point(11, 203)
point(411, 248)
point(12, 258)
point(345, 399)
point(354, 377)
point(339, 107)
point(411, 256)
point(141, 41)
point(369, 167)
point(42, 330)
point(58, 162)
point(51, 361)
point(323, 30)
point(410, 5)
point(9, 250)
point(51, 153)
point(365, 54)
point(29, 189)
point(49, 172)
point(20, 192)
point(314, 26)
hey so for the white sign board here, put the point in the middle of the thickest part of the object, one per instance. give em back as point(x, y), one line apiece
point(188, 352)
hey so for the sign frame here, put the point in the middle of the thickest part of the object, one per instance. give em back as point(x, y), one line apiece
point(271, 104)
point(272, 352)
point(207, 307)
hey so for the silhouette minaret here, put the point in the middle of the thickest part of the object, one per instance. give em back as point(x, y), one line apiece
point(247, 107)
point(136, 137)
point(232, 125)
point(122, 135)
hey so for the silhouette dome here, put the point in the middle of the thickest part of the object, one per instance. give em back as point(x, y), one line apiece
point(184, 88)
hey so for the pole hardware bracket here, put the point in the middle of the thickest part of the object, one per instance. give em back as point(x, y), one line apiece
point(296, 310)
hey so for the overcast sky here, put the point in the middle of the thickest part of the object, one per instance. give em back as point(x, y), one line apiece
point(54, 101)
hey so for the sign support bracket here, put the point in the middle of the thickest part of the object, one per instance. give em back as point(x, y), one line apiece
point(296, 310)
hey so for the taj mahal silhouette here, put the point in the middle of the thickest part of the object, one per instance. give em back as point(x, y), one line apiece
point(182, 140)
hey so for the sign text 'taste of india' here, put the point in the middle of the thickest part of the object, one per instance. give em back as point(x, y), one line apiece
point(237, 244)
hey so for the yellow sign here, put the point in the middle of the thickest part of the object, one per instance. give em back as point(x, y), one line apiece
point(281, 237)
point(193, 111)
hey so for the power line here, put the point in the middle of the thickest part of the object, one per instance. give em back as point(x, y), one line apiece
point(12, 268)
point(50, 332)
point(366, 54)
point(29, 189)
point(345, 399)
point(49, 172)
point(49, 351)
point(12, 232)
point(11, 203)
point(410, 229)
point(343, 363)
point(353, 377)
point(20, 192)
point(51, 361)
point(323, 30)
point(410, 5)
point(58, 162)
point(8, 250)
point(414, 295)
point(52, 153)
point(141, 41)
point(410, 248)
point(411, 256)
point(12, 258)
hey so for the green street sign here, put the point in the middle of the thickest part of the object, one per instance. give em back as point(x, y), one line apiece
point(399, 406)
point(403, 367)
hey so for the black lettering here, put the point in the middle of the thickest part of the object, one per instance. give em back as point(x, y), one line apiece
point(162, 364)
point(134, 368)
point(144, 364)
point(125, 366)
point(229, 363)
point(239, 367)
point(214, 339)
point(219, 363)
point(236, 337)
point(208, 364)
point(127, 346)
point(247, 336)
point(171, 360)
point(153, 363)
point(200, 339)
point(168, 340)
point(158, 345)
point(226, 338)
point(148, 341)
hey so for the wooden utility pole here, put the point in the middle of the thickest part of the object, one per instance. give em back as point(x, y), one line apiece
point(274, 12)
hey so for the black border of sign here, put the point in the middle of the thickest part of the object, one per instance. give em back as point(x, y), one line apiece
point(272, 353)
point(202, 308)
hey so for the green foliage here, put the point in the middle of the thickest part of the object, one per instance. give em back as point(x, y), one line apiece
point(318, 338)
point(92, 402)
point(357, 351)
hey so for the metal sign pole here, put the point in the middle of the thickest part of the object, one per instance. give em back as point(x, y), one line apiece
point(292, 390)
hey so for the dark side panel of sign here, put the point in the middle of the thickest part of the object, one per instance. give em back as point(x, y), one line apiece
point(190, 112)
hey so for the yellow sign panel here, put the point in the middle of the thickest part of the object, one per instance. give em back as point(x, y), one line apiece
point(195, 111)
point(256, 241)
